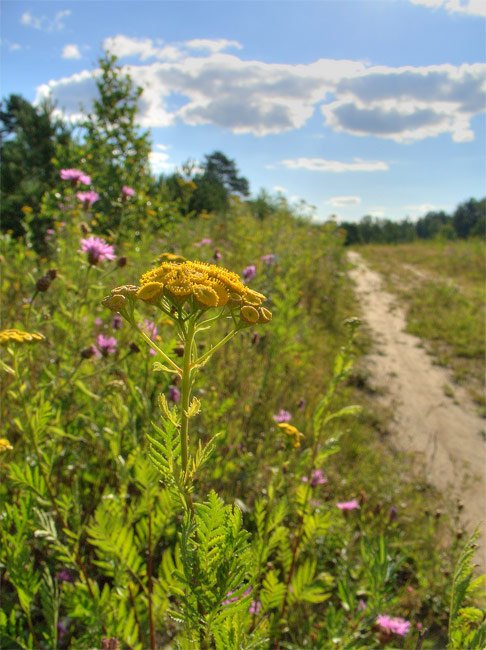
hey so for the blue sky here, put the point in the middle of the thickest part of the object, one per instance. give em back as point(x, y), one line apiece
point(354, 106)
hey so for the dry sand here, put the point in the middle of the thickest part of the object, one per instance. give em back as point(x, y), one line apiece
point(443, 431)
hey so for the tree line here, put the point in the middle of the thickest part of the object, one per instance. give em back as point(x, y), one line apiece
point(467, 220)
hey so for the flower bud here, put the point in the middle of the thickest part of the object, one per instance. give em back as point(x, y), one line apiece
point(52, 274)
point(122, 261)
point(249, 314)
point(43, 284)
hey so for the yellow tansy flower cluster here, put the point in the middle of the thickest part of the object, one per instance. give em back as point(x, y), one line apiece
point(5, 445)
point(198, 284)
point(17, 336)
point(292, 432)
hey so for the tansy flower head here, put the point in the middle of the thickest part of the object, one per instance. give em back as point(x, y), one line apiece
point(292, 432)
point(17, 336)
point(5, 445)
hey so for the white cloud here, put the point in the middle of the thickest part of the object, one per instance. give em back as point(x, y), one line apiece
point(44, 23)
point(344, 201)
point(216, 45)
point(279, 189)
point(335, 166)
point(71, 52)
point(422, 209)
point(471, 7)
point(403, 104)
point(159, 162)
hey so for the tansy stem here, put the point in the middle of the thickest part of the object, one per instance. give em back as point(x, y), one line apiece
point(186, 390)
point(155, 347)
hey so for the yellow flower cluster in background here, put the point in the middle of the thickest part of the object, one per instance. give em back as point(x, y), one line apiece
point(292, 432)
point(17, 336)
point(5, 445)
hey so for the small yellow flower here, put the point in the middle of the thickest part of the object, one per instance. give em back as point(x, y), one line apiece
point(206, 296)
point(17, 336)
point(249, 314)
point(5, 445)
point(150, 291)
point(292, 432)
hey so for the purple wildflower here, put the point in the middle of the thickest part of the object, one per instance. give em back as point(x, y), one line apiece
point(127, 191)
point(97, 249)
point(392, 513)
point(317, 478)
point(174, 394)
point(394, 625)
point(98, 321)
point(249, 273)
point(88, 198)
point(75, 176)
point(301, 404)
point(217, 255)
point(268, 259)
point(282, 416)
point(150, 330)
point(205, 241)
point(61, 631)
point(255, 607)
point(117, 322)
point(106, 344)
point(64, 576)
point(348, 505)
point(361, 605)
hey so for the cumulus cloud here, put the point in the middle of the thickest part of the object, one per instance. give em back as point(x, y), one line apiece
point(159, 162)
point(335, 166)
point(471, 7)
point(344, 201)
point(279, 189)
point(196, 83)
point(44, 23)
point(71, 52)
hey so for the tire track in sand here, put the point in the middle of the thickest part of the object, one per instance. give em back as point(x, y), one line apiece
point(444, 433)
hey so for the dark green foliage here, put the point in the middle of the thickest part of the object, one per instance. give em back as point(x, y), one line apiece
point(31, 139)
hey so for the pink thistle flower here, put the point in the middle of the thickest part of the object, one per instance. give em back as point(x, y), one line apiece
point(88, 198)
point(268, 259)
point(127, 191)
point(117, 322)
point(75, 176)
point(98, 321)
point(249, 273)
point(255, 607)
point(282, 416)
point(203, 242)
point(97, 249)
point(106, 344)
point(394, 625)
point(348, 505)
point(317, 478)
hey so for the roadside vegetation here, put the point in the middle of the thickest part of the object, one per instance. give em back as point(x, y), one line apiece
point(442, 285)
point(191, 454)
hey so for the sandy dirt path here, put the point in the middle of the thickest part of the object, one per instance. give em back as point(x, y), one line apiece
point(444, 432)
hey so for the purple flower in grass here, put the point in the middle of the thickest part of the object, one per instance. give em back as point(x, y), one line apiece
point(174, 394)
point(204, 242)
point(127, 191)
point(64, 576)
point(393, 625)
point(106, 344)
point(75, 176)
point(88, 198)
point(282, 416)
point(348, 505)
point(317, 478)
point(249, 273)
point(97, 249)
point(268, 259)
point(117, 322)
point(150, 330)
